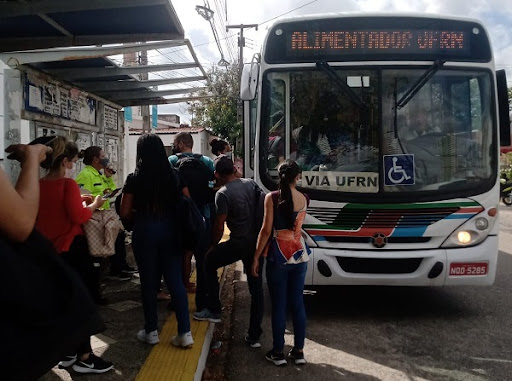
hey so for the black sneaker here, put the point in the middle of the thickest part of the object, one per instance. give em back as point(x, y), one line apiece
point(297, 356)
point(253, 343)
point(129, 270)
point(277, 358)
point(93, 364)
point(67, 361)
point(120, 276)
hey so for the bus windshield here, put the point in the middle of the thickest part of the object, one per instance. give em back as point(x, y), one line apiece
point(444, 132)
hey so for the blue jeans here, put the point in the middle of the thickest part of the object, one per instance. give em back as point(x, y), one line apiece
point(286, 286)
point(158, 252)
point(224, 254)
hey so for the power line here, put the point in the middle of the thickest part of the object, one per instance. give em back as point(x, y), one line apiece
point(290, 11)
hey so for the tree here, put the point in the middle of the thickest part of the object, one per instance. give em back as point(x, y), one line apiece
point(218, 112)
point(510, 98)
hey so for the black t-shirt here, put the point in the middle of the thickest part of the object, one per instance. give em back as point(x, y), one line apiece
point(135, 185)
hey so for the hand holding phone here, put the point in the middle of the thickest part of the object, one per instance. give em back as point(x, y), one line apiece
point(111, 194)
point(18, 151)
point(21, 152)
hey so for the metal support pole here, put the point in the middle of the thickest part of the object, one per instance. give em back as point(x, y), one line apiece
point(144, 109)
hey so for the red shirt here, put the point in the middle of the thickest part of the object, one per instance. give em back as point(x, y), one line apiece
point(61, 212)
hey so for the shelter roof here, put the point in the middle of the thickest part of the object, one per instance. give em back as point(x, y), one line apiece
point(95, 34)
point(41, 24)
point(166, 131)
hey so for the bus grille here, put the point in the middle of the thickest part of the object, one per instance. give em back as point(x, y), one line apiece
point(341, 239)
point(379, 266)
point(357, 218)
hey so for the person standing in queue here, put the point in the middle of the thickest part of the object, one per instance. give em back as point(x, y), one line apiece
point(235, 206)
point(286, 256)
point(151, 196)
point(98, 184)
point(60, 219)
point(197, 173)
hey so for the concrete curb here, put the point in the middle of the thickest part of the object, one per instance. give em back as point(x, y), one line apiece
point(201, 364)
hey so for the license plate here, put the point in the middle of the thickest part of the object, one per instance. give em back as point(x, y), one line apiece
point(471, 269)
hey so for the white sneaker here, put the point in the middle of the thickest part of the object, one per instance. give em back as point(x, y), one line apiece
point(150, 338)
point(184, 340)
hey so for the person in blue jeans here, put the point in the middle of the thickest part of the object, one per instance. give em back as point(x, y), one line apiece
point(287, 256)
point(150, 199)
point(235, 205)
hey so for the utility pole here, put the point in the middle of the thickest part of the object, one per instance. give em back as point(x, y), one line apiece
point(241, 40)
point(144, 109)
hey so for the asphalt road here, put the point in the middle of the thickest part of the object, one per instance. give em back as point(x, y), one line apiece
point(385, 333)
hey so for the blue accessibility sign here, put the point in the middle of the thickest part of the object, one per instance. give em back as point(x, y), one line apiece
point(398, 170)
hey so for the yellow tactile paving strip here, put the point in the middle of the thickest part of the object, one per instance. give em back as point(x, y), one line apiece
point(166, 362)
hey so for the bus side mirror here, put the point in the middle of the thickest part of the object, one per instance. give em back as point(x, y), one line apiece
point(503, 108)
point(249, 81)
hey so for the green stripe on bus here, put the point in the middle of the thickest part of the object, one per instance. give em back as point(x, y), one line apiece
point(412, 206)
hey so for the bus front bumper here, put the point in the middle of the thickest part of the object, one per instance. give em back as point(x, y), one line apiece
point(440, 267)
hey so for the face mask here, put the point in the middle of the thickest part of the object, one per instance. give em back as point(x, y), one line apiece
point(105, 162)
point(70, 172)
point(229, 154)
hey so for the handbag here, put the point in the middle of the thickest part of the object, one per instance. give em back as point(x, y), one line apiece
point(101, 232)
point(47, 311)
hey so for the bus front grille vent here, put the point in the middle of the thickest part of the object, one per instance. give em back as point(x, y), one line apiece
point(398, 240)
point(378, 265)
point(350, 218)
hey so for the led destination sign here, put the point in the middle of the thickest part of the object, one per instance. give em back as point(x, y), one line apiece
point(377, 39)
point(359, 41)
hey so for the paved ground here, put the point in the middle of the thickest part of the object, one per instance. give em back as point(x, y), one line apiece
point(123, 318)
point(384, 333)
point(354, 333)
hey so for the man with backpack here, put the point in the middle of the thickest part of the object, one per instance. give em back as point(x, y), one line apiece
point(197, 173)
point(237, 203)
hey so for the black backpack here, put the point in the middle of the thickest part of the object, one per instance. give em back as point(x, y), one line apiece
point(196, 177)
point(193, 225)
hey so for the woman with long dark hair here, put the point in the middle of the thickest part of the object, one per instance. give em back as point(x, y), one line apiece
point(220, 147)
point(60, 218)
point(287, 255)
point(150, 197)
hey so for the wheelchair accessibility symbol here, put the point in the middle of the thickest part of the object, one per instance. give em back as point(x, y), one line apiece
point(398, 169)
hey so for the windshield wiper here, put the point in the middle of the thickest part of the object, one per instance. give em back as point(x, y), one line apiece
point(325, 67)
point(413, 90)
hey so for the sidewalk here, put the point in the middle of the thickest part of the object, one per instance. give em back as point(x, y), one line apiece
point(132, 359)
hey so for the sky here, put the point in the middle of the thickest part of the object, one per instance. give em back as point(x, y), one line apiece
point(496, 15)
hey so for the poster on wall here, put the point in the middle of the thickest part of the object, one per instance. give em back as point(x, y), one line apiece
point(83, 141)
point(43, 97)
point(110, 117)
point(112, 151)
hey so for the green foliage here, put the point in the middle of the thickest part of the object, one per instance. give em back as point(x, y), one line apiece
point(506, 165)
point(218, 112)
point(510, 98)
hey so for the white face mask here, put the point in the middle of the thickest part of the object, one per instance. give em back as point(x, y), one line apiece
point(229, 154)
point(70, 172)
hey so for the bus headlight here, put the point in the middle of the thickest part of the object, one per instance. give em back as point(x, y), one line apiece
point(464, 237)
point(470, 233)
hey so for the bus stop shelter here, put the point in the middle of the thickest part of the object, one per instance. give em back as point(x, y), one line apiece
point(65, 73)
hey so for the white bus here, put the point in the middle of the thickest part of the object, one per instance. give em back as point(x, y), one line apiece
point(396, 122)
